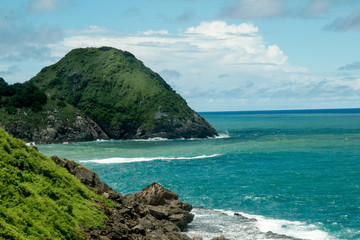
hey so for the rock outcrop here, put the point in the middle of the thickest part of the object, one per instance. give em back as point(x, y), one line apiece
point(153, 213)
point(53, 126)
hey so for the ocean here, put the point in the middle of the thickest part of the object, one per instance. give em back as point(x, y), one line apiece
point(295, 173)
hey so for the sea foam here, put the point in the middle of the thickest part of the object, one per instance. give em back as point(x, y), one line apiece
point(222, 135)
point(210, 223)
point(146, 159)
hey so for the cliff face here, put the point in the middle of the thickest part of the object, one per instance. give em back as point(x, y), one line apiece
point(122, 96)
point(53, 124)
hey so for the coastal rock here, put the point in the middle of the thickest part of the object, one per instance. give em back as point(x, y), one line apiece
point(88, 177)
point(272, 235)
point(153, 213)
point(53, 126)
point(219, 238)
point(155, 194)
point(162, 204)
point(193, 127)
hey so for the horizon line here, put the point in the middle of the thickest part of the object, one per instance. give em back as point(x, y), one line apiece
point(314, 110)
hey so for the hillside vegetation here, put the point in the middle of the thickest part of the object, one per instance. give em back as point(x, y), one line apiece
point(97, 93)
point(124, 97)
point(40, 200)
point(43, 198)
point(21, 95)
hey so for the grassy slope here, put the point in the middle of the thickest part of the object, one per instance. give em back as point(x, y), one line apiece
point(40, 200)
point(98, 81)
point(31, 120)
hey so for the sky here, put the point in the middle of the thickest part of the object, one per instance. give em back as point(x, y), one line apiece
point(229, 55)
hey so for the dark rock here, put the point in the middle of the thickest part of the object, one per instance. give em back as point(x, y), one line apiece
point(155, 194)
point(193, 127)
point(272, 235)
point(153, 213)
point(162, 204)
point(53, 127)
point(219, 238)
point(88, 177)
point(245, 219)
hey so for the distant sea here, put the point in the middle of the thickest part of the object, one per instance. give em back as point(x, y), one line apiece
point(295, 173)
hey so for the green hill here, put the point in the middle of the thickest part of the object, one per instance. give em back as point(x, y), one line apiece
point(27, 113)
point(124, 97)
point(40, 200)
point(43, 198)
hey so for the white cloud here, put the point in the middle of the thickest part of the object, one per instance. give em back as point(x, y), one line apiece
point(152, 32)
point(220, 29)
point(216, 45)
point(254, 75)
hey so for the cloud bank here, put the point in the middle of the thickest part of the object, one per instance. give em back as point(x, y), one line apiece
point(216, 63)
point(21, 40)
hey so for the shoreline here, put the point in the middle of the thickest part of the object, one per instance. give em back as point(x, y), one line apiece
point(156, 207)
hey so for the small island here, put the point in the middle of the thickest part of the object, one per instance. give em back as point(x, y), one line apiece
point(97, 93)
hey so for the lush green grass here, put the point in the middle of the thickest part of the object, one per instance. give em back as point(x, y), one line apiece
point(40, 200)
point(113, 88)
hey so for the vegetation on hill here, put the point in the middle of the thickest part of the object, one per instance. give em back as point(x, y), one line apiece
point(40, 200)
point(124, 97)
point(97, 93)
point(21, 95)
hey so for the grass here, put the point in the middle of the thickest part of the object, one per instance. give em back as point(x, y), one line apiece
point(113, 88)
point(39, 199)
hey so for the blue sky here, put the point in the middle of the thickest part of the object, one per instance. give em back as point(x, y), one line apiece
point(219, 55)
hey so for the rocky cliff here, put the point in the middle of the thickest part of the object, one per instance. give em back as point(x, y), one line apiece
point(51, 124)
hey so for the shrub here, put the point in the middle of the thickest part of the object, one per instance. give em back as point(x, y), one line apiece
point(21, 95)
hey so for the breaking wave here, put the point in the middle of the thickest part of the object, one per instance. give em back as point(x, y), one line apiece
point(146, 159)
point(210, 223)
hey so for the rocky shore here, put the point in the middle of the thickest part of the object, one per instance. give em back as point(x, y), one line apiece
point(152, 213)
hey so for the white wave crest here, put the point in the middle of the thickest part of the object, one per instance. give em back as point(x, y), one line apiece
point(210, 223)
point(102, 140)
point(223, 135)
point(151, 139)
point(146, 159)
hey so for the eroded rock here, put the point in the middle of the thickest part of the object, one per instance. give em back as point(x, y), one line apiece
point(153, 213)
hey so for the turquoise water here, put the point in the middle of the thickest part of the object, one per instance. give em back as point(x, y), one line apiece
point(297, 173)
